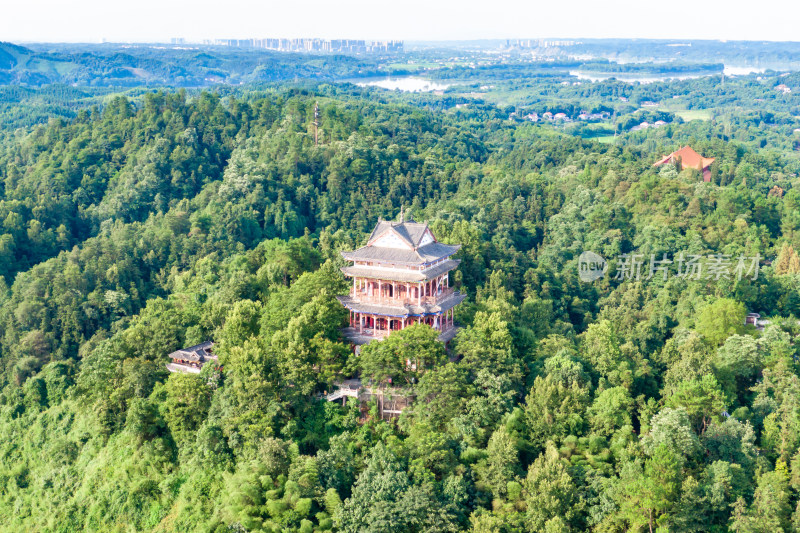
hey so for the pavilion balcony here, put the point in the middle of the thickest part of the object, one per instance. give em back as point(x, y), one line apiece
point(374, 333)
point(386, 300)
point(446, 333)
point(440, 296)
point(364, 336)
point(402, 299)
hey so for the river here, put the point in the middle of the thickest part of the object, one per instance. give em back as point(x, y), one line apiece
point(406, 84)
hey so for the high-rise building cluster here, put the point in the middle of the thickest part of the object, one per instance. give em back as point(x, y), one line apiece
point(312, 45)
point(538, 43)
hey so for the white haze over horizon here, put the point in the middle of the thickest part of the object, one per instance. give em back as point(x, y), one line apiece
point(410, 20)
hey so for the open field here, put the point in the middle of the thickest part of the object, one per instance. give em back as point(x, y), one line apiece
point(694, 114)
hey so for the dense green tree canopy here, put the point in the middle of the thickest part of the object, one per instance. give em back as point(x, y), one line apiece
point(165, 219)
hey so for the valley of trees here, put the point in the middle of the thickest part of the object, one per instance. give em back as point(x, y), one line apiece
point(138, 225)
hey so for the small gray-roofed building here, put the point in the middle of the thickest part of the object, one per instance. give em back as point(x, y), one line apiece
point(193, 358)
point(199, 352)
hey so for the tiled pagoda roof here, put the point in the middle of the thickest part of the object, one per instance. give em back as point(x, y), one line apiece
point(393, 274)
point(408, 230)
point(425, 254)
point(415, 245)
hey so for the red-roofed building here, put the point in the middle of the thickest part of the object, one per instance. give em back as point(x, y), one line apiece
point(688, 158)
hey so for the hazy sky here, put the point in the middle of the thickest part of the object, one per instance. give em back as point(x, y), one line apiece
point(159, 20)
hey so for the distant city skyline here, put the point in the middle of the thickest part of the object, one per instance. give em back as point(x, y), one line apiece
point(303, 44)
point(409, 20)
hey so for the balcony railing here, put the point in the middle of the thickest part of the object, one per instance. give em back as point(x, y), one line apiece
point(353, 331)
point(403, 300)
point(386, 300)
point(439, 296)
point(377, 333)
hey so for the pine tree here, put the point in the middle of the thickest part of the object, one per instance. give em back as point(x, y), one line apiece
point(788, 261)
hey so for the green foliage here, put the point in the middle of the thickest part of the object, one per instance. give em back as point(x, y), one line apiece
point(556, 407)
point(601, 347)
point(186, 405)
point(671, 430)
point(552, 495)
point(402, 356)
point(501, 465)
point(384, 500)
point(166, 219)
point(143, 420)
point(487, 344)
point(648, 494)
point(702, 399)
point(721, 319)
point(770, 510)
point(610, 411)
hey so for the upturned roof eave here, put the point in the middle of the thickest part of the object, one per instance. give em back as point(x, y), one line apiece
point(372, 253)
point(350, 256)
point(407, 276)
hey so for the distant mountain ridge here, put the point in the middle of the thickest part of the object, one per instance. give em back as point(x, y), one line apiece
point(196, 66)
point(9, 54)
point(120, 65)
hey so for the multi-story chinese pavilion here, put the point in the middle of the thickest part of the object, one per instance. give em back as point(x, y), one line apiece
point(401, 277)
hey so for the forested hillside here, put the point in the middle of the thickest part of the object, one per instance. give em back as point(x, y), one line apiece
point(146, 225)
point(135, 65)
